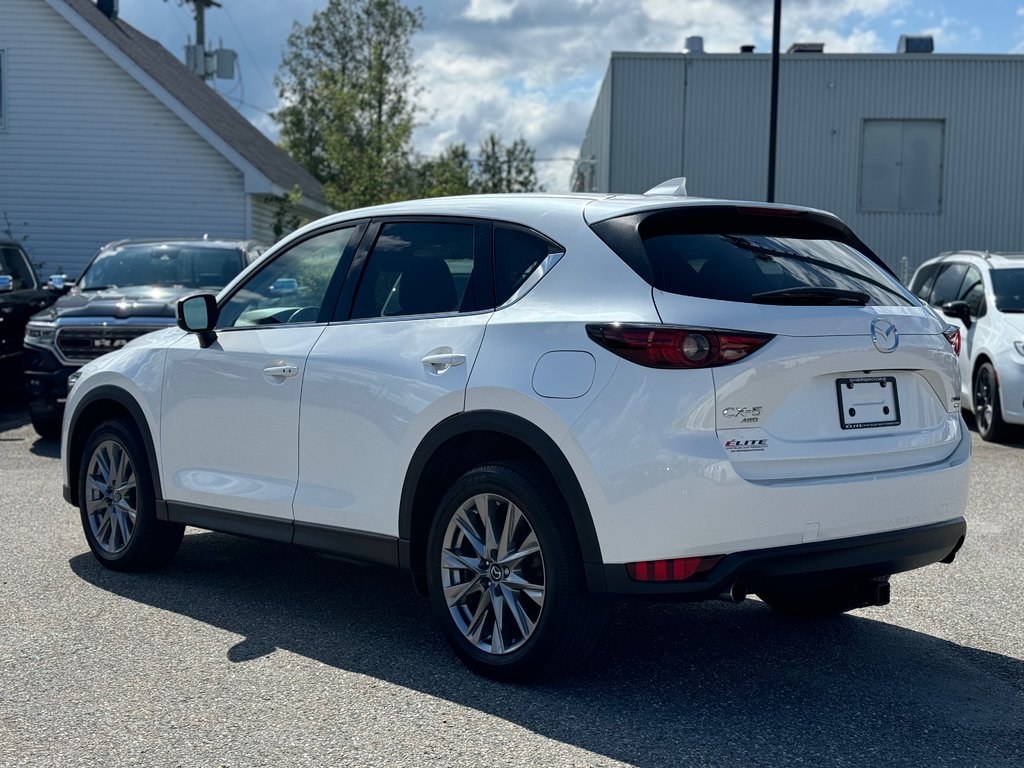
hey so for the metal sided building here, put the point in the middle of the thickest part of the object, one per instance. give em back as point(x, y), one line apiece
point(918, 152)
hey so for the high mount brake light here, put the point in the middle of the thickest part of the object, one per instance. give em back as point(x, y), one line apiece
point(952, 334)
point(666, 346)
point(759, 211)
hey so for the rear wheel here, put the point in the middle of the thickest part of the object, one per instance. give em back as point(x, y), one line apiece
point(988, 415)
point(117, 502)
point(505, 577)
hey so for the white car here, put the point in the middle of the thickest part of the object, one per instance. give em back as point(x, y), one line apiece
point(983, 294)
point(537, 403)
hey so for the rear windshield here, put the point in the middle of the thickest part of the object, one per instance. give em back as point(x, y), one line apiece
point(1008, 286)
point(779, 262)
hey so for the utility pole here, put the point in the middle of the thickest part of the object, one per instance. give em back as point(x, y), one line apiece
point(774, 127)
point(199, 9)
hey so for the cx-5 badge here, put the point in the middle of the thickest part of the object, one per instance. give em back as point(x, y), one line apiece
point(884, 335)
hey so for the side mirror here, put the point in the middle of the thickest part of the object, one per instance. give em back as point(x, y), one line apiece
point(198, 314)
point(59, 284)
point(6, 283)
point(959, 310)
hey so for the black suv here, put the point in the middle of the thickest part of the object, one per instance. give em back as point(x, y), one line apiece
point(129, 288)
point(22, 294)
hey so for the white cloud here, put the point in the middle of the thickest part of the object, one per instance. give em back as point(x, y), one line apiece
point(490, 10)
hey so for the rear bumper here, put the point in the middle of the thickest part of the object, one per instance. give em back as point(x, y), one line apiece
point(804, 566)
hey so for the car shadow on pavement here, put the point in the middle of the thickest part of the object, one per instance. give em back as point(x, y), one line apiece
point(707, 683)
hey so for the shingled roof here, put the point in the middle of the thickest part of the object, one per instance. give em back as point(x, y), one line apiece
point(189, 90)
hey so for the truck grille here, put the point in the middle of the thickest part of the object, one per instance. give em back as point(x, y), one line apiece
point(80, 345)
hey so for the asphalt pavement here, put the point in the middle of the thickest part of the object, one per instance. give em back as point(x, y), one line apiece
point(243, 653)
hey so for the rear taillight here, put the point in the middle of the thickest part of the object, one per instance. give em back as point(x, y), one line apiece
point(666, 346)
point(677, 569)
point(952, 334)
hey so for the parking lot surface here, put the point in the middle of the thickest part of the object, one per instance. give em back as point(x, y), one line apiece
point(243, 653)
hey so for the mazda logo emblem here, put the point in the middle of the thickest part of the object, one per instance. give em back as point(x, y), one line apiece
point(884, 335)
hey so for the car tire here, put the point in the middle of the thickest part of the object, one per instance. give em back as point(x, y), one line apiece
point(46, 426)
point(988, 414)
point(118, 504)
point(499, 528)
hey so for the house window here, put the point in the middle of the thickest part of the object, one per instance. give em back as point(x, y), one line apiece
point(901, 165)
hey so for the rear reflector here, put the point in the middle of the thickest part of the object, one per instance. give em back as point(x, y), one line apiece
point(677, 569)
point(666, 346)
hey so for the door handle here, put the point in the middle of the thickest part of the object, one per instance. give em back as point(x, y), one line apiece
point(284, 371)
point(441, 363)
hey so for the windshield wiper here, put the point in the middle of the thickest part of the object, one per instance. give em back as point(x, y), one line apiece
point(812, 296)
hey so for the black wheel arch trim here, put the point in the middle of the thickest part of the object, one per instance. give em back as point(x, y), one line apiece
point(126, 401)
point(537, 440)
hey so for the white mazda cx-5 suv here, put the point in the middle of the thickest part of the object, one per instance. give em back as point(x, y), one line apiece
point(537, 403)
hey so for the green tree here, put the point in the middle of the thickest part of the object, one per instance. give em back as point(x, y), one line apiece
point(347, 84)
point(498, 168)
point(504, 168)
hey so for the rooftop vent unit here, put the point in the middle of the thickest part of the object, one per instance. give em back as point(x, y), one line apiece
point(916, 44)
point(746, 49)
point(806, 48)
point(695, 44)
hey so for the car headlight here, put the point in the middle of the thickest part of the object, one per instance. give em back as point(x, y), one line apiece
point(40, 334)
point(1019, 346)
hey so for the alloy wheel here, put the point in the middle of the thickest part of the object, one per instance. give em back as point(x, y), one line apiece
point(983, 399)
point(111, 497)
point(492, 573)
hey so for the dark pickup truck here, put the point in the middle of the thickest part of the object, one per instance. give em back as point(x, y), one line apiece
point(22, 294)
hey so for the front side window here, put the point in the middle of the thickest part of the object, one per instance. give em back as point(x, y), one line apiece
point(420, 268)
point(947, 284)
point(163, 264)
point(291, 289)
point(972, 291)
point(12, 262)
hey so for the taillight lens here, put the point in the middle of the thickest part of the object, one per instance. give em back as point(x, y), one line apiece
point(667, 346)
point(676, 569)
point(952, 334)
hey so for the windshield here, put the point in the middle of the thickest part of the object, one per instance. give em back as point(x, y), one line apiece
point(1008, 286)
point(172, 265)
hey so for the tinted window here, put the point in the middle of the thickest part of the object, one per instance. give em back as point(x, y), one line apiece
point(418, 268)
point(1008, 286)
point(735, 267)
point(947, 284)
point(13, 263)
point(517, 254)
point(923, 280)
point(972, 291)
point(170, 264)
point(292, 287)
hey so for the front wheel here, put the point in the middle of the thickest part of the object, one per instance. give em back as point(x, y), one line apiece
point(988, 415)
point(505, 578)
point(118, 504)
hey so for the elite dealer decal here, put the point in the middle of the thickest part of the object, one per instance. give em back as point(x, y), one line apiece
point(745, 446)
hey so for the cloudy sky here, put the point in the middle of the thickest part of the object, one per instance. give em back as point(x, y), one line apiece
point(533, 67)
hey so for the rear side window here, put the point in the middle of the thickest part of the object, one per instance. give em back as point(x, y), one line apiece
point(729, 256)
point(517, 254)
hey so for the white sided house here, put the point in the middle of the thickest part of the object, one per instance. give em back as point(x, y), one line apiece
point(104, 134)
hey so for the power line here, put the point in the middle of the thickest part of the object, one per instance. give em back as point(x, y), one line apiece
point(245, 45)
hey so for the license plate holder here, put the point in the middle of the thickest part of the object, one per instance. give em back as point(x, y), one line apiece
point(868, 402)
